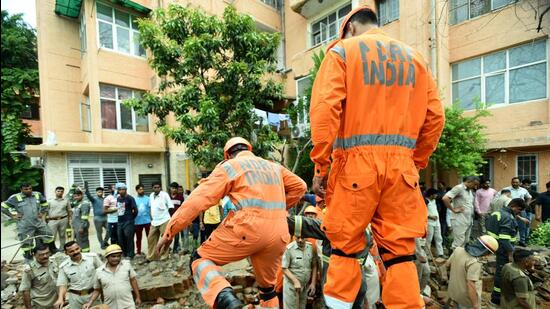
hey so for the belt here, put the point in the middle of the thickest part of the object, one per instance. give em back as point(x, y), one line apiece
point(82, 292)
point(57, 218)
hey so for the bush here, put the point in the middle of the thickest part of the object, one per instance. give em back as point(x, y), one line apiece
point(541, 236)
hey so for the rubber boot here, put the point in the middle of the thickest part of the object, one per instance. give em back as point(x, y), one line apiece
point(227, 300)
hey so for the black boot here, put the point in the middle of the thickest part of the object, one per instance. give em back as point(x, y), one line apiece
point(226, 299)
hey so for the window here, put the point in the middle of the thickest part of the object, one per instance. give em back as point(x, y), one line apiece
point(82, 32)
point(302, 86)
point(514, 75)
point(147, 180)
point(326, 28)
point(388, 11)
point(31, 112)
point(117, 116)
point(462, 10)
point(276, 4)
point(98, 170)
point(117, 30)
point(486, 170)
point(85, 116)
point(527, 167)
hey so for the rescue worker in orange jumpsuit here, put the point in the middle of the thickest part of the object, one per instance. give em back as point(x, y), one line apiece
point(262, 191)
point(375, 108)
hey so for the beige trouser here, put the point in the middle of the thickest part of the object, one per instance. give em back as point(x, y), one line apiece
point(59, 227)
point(155, 233)
point(461, 232)
point(77, 301)
point(290, 295)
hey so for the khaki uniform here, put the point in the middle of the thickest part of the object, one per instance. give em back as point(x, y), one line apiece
point(117, 291)
point(299, 262)
point(29, 207)
point(461, 223)
point(58, 218)
point(464, 267)
point(516, 284)
point(40, 281)
point(78, 278)
point(81, 222)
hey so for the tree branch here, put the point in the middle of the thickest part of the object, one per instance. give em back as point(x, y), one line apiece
point(299, 154)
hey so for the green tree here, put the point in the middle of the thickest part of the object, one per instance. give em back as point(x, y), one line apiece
point(19, 88)
point(300, 148)
point(462, 143)
point(214, 71)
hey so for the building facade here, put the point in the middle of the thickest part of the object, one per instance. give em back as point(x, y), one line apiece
point(481, 52)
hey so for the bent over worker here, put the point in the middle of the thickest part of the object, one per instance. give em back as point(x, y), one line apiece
point(503, 226)
point(375, 108)
point(262, 191)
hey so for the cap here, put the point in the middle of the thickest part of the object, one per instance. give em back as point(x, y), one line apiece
point(120, 185)
point(114, 248)
point(233, 142)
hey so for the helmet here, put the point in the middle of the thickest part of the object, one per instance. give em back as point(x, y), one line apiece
point(233, 142)
point(114, 248)
point(310, 209)
point(489, 242)
point(349, 16)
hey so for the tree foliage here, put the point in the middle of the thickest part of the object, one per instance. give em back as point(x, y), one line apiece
point(462, 143)
point(301, 147)
point(19, 88)
point(213, 73)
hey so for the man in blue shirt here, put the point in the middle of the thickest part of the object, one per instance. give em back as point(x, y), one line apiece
point(143, 219)
point(100, 218)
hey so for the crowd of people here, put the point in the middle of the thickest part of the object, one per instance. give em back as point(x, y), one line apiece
point(120, 219)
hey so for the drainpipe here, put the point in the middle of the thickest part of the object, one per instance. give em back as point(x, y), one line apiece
point(433, 63)
point(167, 162)
point(283, 33)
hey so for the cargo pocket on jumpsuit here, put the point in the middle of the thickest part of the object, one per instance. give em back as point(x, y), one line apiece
point(411, 182)
point(246, 233)
point(356, 192)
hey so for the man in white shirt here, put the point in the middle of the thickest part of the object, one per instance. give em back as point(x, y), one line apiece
point(517, 191)
point(160, 204)
point(434, 227)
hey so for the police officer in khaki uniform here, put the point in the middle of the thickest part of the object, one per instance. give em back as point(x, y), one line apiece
point(38, 280)
point(299, 266)
point(29, 209)
point(59, 215)
point(76, 276)
point(81, 213)
point(517, 287)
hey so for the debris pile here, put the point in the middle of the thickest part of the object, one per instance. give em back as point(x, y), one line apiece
point(540, 277)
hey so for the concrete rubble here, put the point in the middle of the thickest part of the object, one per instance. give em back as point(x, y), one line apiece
point(163, 284)
point(169, 285)
point(540, 278)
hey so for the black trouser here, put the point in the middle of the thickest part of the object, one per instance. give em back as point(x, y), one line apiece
point(208, 229)
point(113, 232)
point(126, 238)
point(502, 259)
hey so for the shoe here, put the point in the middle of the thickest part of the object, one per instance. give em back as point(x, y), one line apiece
point(522, 244)
point(226, 299)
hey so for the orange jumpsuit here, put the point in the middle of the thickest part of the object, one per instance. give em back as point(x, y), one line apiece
point(263, 191)
point(375, 108)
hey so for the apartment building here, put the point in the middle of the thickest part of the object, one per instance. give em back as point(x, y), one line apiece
point(90, 60)
point(487, 51)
